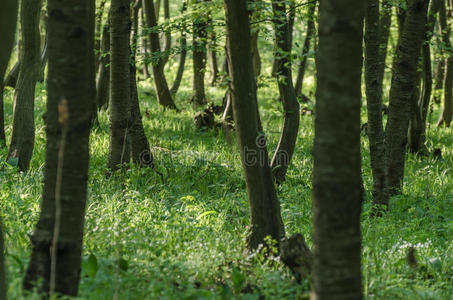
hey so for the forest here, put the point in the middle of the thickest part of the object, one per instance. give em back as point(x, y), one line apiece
point(226, 149)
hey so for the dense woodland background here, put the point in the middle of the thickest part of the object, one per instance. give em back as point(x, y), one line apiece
point(201, 149)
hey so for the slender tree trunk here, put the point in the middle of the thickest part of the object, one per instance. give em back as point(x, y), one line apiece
point(120, 108)
point(200, 25)
point(265, 216)
point(143, 45)
point(337, 180)
point(385, 22)
point(163, 93)
point(97, 37)
point(374, 102)
point(157, 9)
point(103, 74)
point(285, 149)
point(182, 56)
point(212, 56)
point(256, 59)
point(401, 91)
point(11, 78)
point(140, 150)
point(166, 48)
point(8, 18)
point(417, 126)
point(305, 49)
point(23, 136)
point(68, 122)
point(44, 56)
point(447, 112)
point(2, 118)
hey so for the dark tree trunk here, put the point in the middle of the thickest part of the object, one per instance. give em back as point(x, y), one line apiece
point(157, 8)
point(97, 37)
point(163, 93)
point(143, 45)
point(166, 48)
point(120, 107)
point(256, 59)
point(284, 152)
point(140, 150)
point(8, 18)
point(374, 102)
point(447, 112)
point(337, 180)
point(182, 56)
point(265, 216)
point(420, 103)
point(44, 56)
point(23, 136)
point(305, 49)
point(2, 118)
point(11, 78)
point(212, 56)
point(103, 74)
point(439, 80)
point(70, 81)
point(401, 91)
point(200, 26)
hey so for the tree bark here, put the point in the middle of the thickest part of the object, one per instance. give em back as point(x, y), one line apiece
point(200, 25)
point(256, 52)
point(71, 81)
point(182, 56)
point(385, 22)
point(163, 93)
point(166, 47)
point(439, 80)
point(97, 38)
point(140, 150)
point(447, 112)
point(23, 135)
point(374, 102)
point(8, 19)
point(265, 218)
point(285, 148)
point(401, 91)
point(337, 181)
point(305, 49)
point(212, 55)
point(120, 108)
point(103, 74)
point(143, 45)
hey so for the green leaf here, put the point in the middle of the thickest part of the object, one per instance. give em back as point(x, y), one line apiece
point(91, 266)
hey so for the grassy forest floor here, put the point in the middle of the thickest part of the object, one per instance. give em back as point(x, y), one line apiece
point(184, 238)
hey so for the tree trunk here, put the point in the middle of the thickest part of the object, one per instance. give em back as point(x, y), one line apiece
point(182, 56)
point(447, 112)
point(97, 37)
point(337, 181)
point(120, 108)
point(143, 45)
point(2, 118)
point(285, 149)
point(44, 56)
point(417, 126)
point(70, 81)
point(265, 218)
point(401, 90)
point(256, 59)
point(439, 80)
point(374, 102)
point(385, 22)
point(200, 24)
point(103, 74)
point(163, 93)
point(140, 150)
point(8, 18)
point(305, 49)
point(157, 7)
point(11, 78)
point(23, 135)
point(212, 56)
point(166, 48)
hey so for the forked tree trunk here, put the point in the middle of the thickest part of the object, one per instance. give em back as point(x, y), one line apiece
point(305, 49)
point(23, 136)
point(120, 107)
point(103, 73)
point(337, 180)
point(374, 102)
point(182, 56)
point(67, 152)
point(285, 149)
point(265, 218)
point(401, 91)
point(163, 93)
point(200, 26)
point(140, 150)
point(447, 112)
point(8, 18)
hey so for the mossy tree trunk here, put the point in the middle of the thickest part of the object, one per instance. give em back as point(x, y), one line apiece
point(285, 148)
point(374, 102)
point(265, 218)
point(305, 49)
point(23, 135)
point(8, 18)
point(401, 91)
point(337, 180)
point(71, 81)
point(120, 108)
point(163, 93)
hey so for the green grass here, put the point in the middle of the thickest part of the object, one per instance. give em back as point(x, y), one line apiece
point(184, 238)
